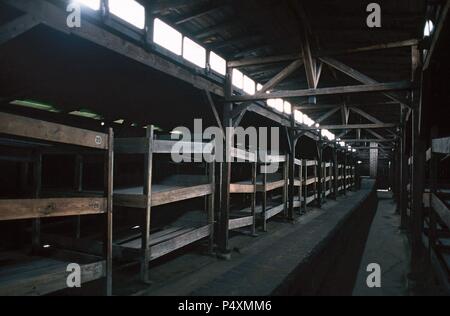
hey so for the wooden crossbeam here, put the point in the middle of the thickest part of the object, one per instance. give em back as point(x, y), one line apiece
point(286, 72)
point(290, 57)
point(358, 126)
point(380, 87)
point(353, 73)
point(17, 27)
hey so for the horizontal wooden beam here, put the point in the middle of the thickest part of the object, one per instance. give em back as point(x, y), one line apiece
point(380, 87)
point(264, 60)
point(17, 27)
point(19, 126)
point(305, 107)
point(358, 126)
point(368, 140)
point(55, 17)
point(290, 57)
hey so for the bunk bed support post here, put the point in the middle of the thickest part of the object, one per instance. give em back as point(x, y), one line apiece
point(289, 185)
point(78, 186)
point(109, 177)
point(254, 183)
point(146, 255)
point(211, 201)
point(403, 181)
point(300, 188)
point(37, 187)
point(305, 194)
point(344, 173)
point(264, 198)
point(320, 178)
point(226, 170)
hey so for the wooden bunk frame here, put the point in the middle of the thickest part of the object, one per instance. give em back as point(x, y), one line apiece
point(267, 185)
point(310, 181)
point(36, 208)
point(299, 184)
point(437, 237)
point(246, 217)
point(153, 246)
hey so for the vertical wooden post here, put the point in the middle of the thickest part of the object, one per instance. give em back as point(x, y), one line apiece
point(404, 181)
point(305, 195)
point(254, 175)
point(300, 188)
point(319, 172)
point(288, 188)
point(37, 187)
point(109, 179)
point(211, 201)
point(344, 173)
point(78, 186)
point(264, 198)
point(226, 170)
point(335, 174)
point(290, 164)
point(146, 229)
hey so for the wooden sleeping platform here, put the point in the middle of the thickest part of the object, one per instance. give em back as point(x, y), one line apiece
point(37, 207)
point(150, 244)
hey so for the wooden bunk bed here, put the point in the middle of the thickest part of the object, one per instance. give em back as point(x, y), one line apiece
point(244, 218)
point(327, 172)
point(436, 235)
point(310, 183)
point(267, 183)
point(45, 272)
point(298, 184)
point(151, 245)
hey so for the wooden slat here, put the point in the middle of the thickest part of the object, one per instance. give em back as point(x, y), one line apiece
point(20, 126)
point(179, 242)
point(274, 211)
point(441, 209)
point(237, 188)
point(270, 186)
point(240, 222)
point(49, 280)
point(164, 197)
point(46, 208)
point(243, 155)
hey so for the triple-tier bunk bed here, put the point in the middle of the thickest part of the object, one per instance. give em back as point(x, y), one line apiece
point(41, 269)
point(158, 190)
point(311, 182)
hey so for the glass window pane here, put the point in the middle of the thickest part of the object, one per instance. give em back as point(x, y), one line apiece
point(194, 53)
point(128, 10)
point(167, 37)
point(217, 63)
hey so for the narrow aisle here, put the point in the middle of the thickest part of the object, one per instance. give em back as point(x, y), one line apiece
point(387, 247)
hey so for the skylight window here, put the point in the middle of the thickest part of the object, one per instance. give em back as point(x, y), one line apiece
point(287, 108)
point(279, 105)
point(92, 4)
point(308, 121)
point(130, 11)
point(238, 79)
point(249, 85)
point(298, 116)
point(259, 87)
point(272, 103)
point(429, 27)
point(87, 114)
point(194, 53)
point(217, 63)
point(167, 37)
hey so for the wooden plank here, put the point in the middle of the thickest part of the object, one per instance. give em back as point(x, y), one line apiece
point(48, 280)
point(243, 155)
point(286, 72)
point(237, 188)
point(20, 126)
point(441, 209)
point(240, 222)
point(270, 186)
point(274, 211)
point(179, 242)
point(164, 197)
point(367, 88)
point(47, 208)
